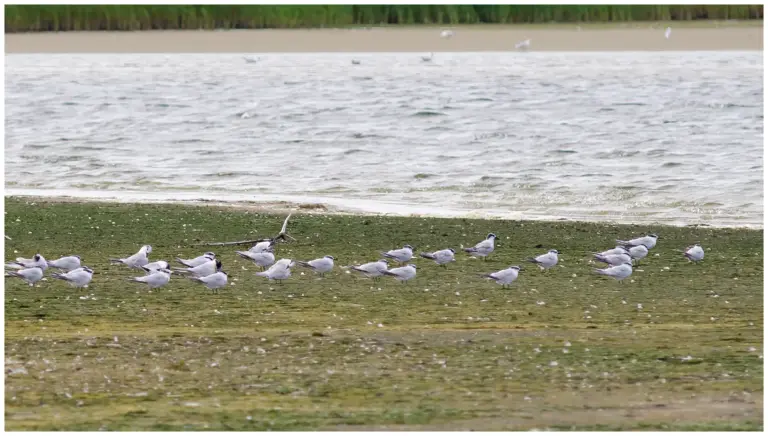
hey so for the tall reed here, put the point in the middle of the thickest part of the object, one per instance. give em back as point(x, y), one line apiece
point(42, 18)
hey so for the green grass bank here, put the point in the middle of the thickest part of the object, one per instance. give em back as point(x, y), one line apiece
point(55, 18)
point(678, 349)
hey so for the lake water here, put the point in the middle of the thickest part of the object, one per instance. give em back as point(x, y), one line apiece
point(645, 137)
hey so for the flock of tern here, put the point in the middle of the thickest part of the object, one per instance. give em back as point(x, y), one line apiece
point(207, 270)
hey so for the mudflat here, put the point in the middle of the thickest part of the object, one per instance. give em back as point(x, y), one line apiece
point(640, 36)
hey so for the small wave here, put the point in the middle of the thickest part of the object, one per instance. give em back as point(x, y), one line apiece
point(362, 78)
point(420, 176)
point(353, 151)
point(191, 141)
point(563, 151)
point(656, 152)
point(630, 104)
point(472, 100)
point(428, 114)
point(671, 164)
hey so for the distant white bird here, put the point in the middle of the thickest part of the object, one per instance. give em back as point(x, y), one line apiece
point(355, 62)
point(280, 271)
point(29, 275)
point(694, 253)
point(66, 263)
point(202, 270)
point(213, 281)
point(262, 246)
point(447, 34)
point(372, 269)
point(504, 277)
point(668, 32)
point(155, 279)
point(154, 266)
point(404, 273)
point(523, 45)
point(618, 272)
point(320, 266)
point(137, 260)
point(637, 252)
point(401, 255)
point(78, 278)
point(250, 60)
point(441, 257)
point(37, 261)
point(262, 259)
point(427, 58)
point(614, 259)
point(483, 248)
point(649, 241)
point(199, 260)
point(618, 250)
point(545, 261)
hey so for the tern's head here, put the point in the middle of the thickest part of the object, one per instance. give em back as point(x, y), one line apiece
point(628, 263)
point(491, 236)
point(147, 249)
point(407, 246)
point(218, 264)
point(452, 250)
point(329, 257)
point(554, 251)
point(77, 256)
point(412, 265)
point(165, 270)
point(515, 267)
point(37, 258)
point(384, 260)
point(654, 236)
point(210, 254)
point(87, 269)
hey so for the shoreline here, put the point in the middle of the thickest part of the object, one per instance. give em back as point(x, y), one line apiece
point(636, 36)
point(337, 207)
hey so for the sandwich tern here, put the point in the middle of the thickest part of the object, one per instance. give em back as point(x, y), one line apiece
point(154, 266)
point(614, 259)
point(320, 266)
point(372, 269)
point(202, 270)
point(483, 248)
point(649, 241)
point(263, 246)
point(262, 259)
point(199, 260)
point(401, 255)
point(66, 263)
point(403, 274)
point(694, 253)
point(137, 260)
point(280, 271)
point(618, 272)
point(504, 277)
point(441, 257)
point(37, 261)
point(545, 261)
point(29, 275)
point(637, 252)
point(213, 281)
point(155, 279)
point(78, 278)
point(618, 250)
point(523, 45)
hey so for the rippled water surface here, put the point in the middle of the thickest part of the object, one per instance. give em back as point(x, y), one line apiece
point(633, 137)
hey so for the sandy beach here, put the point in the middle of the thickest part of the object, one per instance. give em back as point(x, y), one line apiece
point(609, 37)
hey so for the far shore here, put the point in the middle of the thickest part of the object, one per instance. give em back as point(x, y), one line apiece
point(693, 36)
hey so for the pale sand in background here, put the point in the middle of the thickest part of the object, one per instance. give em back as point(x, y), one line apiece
point(610, 37)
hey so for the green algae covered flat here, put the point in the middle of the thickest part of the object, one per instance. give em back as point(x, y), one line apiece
point(680, 348)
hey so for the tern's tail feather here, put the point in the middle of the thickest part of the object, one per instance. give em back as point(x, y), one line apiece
point(243, 255)
point(487, 276)
point(532, 260)
point(389, 273)
point(13, 274)
point(58, 276)
point(427, 256)
point(182, 261)
point(14, 265)
point(599, 271)
point(262, 274)
point(470, 250)
point(116, 260)
point(179, 270)
point(306, 264)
